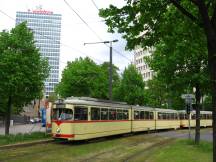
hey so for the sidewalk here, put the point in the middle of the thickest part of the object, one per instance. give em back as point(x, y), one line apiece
point(25, 128)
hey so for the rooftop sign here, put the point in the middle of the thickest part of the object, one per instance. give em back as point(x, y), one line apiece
point(40, 11)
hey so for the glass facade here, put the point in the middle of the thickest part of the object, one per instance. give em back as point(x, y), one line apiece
point(46, 27)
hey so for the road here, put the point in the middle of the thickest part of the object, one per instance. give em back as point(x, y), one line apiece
point(24, 128)
point(205, 134)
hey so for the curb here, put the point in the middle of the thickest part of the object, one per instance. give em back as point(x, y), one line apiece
point(25, 144)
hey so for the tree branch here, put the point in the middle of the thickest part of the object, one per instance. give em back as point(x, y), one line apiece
point(184, 11)
point(203, 10)
point(213, 19)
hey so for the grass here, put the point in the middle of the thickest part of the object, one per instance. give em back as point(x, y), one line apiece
point(18, 138)
point(183, 151)
point(133, 148)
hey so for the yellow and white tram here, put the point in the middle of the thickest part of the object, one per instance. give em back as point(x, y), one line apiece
point(85, 118)
point(205, 118)
point(79, 118)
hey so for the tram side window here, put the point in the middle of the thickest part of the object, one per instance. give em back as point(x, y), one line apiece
point(112, 114)
point(182, 116)
point(142, 114)
point(104, 114)
point(173, 116)
point(146, 115)
point(164, 116)
point(95, 113)
point(119, 114)
point(151, 115)
point(168, 116)
point(136, 114)
point(210, 116)
point(160, 116)
point(193, 116)
point(125, 114)
point(202, 116)
point(80, 113)
point(176, 116)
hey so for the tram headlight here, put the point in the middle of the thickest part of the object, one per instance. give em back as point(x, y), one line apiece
point(58, 130)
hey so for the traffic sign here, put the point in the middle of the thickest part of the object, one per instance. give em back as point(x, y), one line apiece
point(184, 96)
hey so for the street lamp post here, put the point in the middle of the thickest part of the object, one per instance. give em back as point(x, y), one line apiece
point(110, 64)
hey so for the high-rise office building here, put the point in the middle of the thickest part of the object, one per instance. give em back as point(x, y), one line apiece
point(46, 27)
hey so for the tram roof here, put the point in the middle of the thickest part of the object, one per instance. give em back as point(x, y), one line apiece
point(153, 109)
point(194, 112)
point(166, 110)
point(93, 102)
point(143, 108)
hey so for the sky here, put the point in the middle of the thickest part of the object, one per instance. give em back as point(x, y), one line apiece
point(75, 32)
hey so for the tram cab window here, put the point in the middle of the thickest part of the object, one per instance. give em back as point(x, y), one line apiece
point(104, 114)
point(80, 113)
point(125, 114)
point(136, 114)
point(112, 114)
point(62, 114)
point(95, 113)
point(119, 114)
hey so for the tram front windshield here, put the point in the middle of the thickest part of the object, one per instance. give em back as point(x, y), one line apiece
point(62, 114)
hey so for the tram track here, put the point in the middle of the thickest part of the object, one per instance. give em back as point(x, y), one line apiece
point(123, 149)
point(133, 143)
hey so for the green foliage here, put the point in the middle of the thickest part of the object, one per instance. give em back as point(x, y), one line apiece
point(52, 97)
point(22, 70)
point(83, 77)
point(156, 93)
point(131, 88)
point(180, 58)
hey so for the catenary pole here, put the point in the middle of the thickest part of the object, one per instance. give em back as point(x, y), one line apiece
point(110, 64)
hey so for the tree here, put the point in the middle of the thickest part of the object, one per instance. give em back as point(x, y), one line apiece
point(22, 70)
point(52, 97)
point(140, 22)
point(83, 77)
point(131, 88)
point(79, 78)
point(181, 58)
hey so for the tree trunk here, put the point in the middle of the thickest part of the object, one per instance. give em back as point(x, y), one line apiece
point(212, 64)
point(8, 115)
point(197, 96)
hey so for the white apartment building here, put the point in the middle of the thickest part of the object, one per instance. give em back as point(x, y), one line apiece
point(140, 64)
